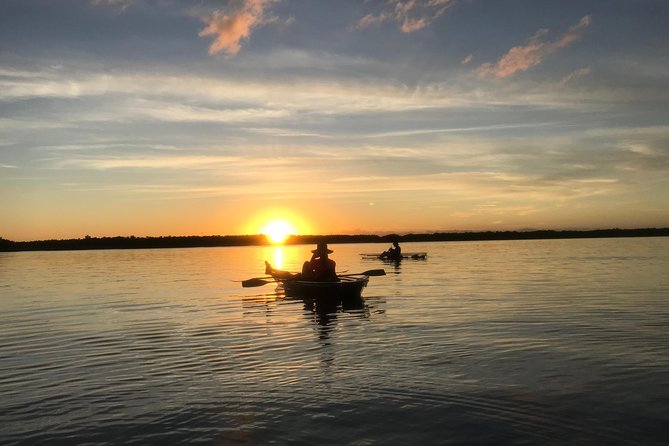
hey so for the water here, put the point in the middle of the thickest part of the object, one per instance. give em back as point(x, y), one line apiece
point(510, 342)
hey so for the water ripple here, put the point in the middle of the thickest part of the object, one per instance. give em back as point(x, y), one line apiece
point(547, 342)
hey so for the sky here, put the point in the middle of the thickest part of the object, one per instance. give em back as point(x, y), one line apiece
point(207, 117)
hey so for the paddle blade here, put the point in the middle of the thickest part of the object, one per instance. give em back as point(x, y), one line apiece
point(255, 282)
point(371, 272)
point(375, 272)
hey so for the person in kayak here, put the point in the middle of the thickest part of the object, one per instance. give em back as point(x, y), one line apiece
point(321, 268)
point(394, 253)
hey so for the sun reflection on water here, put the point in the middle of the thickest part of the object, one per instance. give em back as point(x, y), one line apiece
point(277, 258)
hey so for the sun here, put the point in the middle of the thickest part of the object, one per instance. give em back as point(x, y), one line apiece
point(277, 231)
point(276, 224)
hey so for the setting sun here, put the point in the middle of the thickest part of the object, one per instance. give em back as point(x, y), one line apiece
point(276, 224)
point(277, 231)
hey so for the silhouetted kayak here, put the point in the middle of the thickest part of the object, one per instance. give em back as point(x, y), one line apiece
point(348, 286)
point(408, 255)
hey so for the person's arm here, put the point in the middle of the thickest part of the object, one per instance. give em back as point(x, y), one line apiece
point(333, 271)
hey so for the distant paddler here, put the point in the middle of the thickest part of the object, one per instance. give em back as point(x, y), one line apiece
point(393, 253)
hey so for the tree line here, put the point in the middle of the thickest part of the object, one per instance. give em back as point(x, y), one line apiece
point(133, 242)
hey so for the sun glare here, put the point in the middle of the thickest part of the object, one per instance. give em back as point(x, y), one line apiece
point(277, 231)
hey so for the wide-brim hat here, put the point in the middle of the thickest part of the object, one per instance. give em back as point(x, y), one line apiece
point(321, 248)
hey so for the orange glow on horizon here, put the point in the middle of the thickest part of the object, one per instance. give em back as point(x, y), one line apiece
point(277, 225)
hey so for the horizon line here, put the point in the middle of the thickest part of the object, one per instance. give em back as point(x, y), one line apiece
point(193, 241)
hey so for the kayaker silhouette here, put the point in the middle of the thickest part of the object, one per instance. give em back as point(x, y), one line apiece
point(394, 253)
point(320, 268)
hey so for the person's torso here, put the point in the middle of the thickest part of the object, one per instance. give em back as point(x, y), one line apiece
point(324, 269)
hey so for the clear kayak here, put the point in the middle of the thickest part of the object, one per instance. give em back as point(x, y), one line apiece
point(407, 255)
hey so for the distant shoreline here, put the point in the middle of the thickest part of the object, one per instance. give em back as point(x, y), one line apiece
point(133, 242)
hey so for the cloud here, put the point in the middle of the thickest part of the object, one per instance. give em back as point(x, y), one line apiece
point(230, 30)
point(171, 112)
point(149, 162)
point(582, 72)
point(266, 98)
point(410, 15)
point(122, 5)
point(522, 58)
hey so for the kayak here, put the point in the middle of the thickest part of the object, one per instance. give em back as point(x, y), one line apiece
point(407, 255)
point(347, 286)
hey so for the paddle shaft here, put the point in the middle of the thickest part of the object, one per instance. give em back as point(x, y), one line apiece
point(257, 281)
point(270, 277)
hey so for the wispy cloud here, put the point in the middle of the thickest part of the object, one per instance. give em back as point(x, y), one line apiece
point(230, 29)
point(258, 97)
point(467, 59)
point(149, 162)
point(410, 15)
point(121, 5)
point(169, 112)
point(522, 58)
point(581, 72)
point(278, 175)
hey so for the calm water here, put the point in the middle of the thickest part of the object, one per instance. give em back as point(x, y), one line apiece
point(514, 342)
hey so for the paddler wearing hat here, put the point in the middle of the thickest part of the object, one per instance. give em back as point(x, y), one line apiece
point(321, 268)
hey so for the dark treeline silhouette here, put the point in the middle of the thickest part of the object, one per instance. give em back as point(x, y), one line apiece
point(133, 242)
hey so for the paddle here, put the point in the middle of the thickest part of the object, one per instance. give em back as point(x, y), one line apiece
point(257, 281)
point(255, 278)
point(369, 272)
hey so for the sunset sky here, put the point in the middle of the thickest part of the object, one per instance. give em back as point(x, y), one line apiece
point(203, 117)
